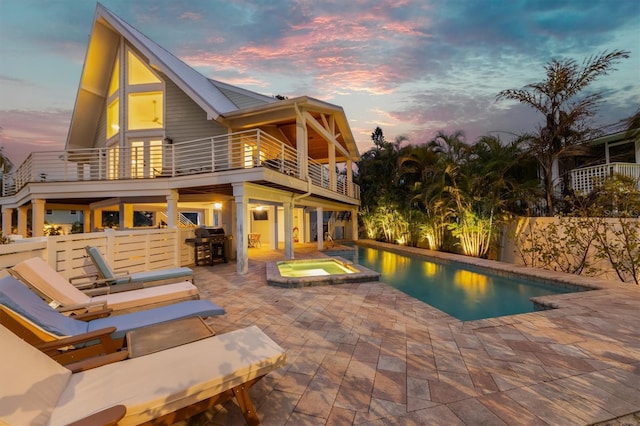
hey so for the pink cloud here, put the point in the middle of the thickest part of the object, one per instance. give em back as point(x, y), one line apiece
point(23, 132)
point(338, 53)
point(191, 16)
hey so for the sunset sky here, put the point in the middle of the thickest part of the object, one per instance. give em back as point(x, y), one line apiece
point(412, 67)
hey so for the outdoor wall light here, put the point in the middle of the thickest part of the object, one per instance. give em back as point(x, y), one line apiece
point(217, 206)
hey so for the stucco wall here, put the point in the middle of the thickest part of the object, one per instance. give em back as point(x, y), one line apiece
point(521, 228)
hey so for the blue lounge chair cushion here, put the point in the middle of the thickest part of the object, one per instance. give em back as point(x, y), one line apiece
point(17, 297)
point(22, 300)
point(156, 275)
point(127, 322)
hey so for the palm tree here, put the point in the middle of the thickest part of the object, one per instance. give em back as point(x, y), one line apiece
point(565, 114)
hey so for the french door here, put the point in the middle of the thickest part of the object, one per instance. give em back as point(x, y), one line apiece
point(146, 157)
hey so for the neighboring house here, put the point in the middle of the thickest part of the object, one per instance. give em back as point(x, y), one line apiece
point(617, 152)
point(151, 134)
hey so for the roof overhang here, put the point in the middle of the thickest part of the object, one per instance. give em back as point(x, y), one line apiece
point(284, 112)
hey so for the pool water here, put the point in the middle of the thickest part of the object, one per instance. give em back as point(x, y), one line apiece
point(313, 268)
point(465, 294)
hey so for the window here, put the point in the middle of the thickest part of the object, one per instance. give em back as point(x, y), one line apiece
point(113, 102)
point(139, 73)
point(113, 119)
point(115, 78)
point(113, 162)
point(145, 110)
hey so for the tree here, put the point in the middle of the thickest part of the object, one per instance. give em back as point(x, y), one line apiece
point(566, 112)
point(377, 172)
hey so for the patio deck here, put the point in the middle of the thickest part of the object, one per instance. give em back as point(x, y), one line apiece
point(367, 353)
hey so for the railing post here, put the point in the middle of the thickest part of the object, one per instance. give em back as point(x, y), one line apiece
point(257, 160)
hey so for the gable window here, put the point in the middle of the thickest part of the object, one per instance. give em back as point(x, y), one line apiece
point(139, 73)
point(113, 118)
point(115, 78)
point(134, 118)
point(145, 110)
point(113, 102)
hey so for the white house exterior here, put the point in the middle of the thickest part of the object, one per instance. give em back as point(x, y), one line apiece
point(617, 152)
point(151, 134)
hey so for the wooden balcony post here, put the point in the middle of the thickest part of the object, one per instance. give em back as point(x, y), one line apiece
point(6, 221)
point(37, 218)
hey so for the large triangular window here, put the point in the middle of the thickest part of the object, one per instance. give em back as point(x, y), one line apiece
point(139, 73)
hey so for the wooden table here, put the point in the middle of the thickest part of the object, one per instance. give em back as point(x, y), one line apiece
point(165, 335)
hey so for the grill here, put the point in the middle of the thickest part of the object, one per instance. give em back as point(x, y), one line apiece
point(210, 245)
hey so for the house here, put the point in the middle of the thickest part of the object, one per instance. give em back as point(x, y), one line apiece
point(150, 135)
point(617, 152)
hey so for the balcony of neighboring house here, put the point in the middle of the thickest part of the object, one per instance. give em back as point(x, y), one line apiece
point(617, 153)
point(584, 180)
point(163, 159)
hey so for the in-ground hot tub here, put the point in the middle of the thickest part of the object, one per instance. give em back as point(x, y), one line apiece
point(319, 271)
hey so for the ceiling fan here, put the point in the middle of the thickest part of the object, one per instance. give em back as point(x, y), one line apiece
point(156, 119)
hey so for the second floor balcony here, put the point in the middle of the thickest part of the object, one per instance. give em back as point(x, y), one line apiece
point(162, 159)
point(585, 180)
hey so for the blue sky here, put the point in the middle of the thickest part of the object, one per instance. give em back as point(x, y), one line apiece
point(411, 67)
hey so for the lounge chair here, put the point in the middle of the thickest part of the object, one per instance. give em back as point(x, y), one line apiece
point(108, 276)
point(164, 387)
point(57, 290)
point(27, 315)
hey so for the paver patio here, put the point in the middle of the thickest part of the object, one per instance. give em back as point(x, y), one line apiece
point(367, 353)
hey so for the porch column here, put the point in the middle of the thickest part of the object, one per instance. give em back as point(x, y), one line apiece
point(6, 221)
point(172, 209)
point(350, 178)
point(332, 167)
point(320, 227)
point(86, 215)
point(302, 146)
point(273, 228)
point(354, 225)
point(208, 216)
point(307, 227)
point(288, 229)
point(242, 229)
point(125, 218)
point(96, 220)
point(23, 212)
point(37, 218)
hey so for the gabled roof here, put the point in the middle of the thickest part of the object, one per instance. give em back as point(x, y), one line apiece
point(101, 52)
point(221, 101)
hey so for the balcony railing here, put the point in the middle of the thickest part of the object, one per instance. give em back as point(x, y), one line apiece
point(247, 149)
point(586, 179)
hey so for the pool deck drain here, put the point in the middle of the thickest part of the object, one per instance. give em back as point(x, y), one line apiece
point(368, 354)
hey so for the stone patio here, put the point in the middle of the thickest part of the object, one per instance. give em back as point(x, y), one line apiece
point(366, 353)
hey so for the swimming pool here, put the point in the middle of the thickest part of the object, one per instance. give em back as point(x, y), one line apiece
point(464, 293)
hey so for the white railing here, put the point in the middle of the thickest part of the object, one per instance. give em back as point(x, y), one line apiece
point(247, 149)
point(183, 221)
point(586, 179)
point(321, 176)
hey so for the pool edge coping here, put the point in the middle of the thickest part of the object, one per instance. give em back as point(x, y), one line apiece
point(274, 278)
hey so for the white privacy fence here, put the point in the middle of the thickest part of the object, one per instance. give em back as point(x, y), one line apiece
point(134, 251)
